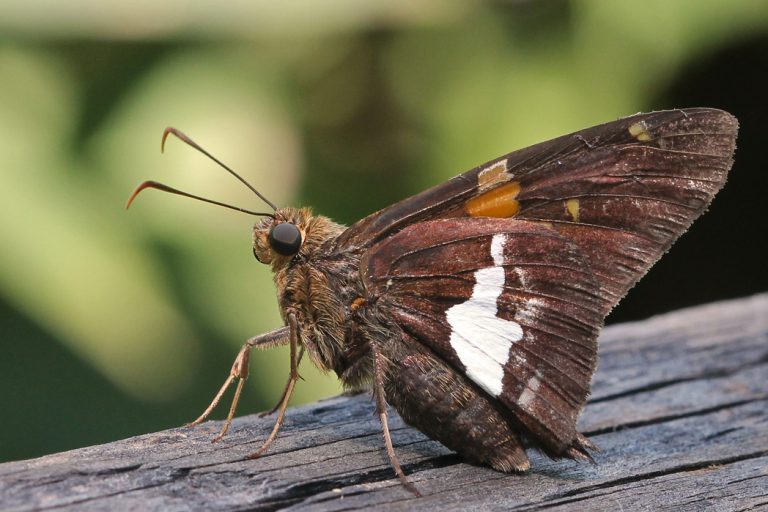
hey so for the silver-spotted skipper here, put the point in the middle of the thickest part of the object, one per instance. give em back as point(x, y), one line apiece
point(474, 308)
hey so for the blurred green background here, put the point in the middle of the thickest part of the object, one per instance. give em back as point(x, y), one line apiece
point(116, 323)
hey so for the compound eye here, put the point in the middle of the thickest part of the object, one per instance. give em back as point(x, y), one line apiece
point(285, 239)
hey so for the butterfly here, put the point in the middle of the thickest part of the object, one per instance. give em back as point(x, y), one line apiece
point(473, 308)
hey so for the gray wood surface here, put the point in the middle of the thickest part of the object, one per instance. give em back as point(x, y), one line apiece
point(679, 408)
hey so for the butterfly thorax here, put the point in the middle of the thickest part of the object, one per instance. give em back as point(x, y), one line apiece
point(319, 289)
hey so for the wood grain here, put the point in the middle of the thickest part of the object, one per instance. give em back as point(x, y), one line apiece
point(679, 408)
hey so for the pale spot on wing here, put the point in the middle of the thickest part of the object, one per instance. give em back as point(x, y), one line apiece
point(497, 252)
point(572, 205)
point(639, 130)
point(531, 310)
point(529, 393)
point(522, 276)
point(493, 175)
point(480, 338)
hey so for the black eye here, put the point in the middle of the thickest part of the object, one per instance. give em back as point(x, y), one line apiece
point(285, 239)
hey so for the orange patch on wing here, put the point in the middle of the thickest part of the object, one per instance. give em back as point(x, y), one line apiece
point(499, 202)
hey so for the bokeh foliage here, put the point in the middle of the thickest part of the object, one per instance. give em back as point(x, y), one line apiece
point(113, 322)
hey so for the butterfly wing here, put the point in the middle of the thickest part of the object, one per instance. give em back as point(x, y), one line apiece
point(622, 191)
point(513, 305)
point(507, 271)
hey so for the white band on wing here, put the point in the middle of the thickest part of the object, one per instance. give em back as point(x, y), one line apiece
point(480, 338)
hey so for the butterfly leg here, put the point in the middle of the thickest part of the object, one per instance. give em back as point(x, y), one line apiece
point(285, 389)
point(294, 377)
point(240, 371)
point(381, 407)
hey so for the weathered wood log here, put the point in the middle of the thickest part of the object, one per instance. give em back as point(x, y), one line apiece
point(679, 408)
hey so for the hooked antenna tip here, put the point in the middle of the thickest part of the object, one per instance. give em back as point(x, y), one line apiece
point(180, 135)
point(142, 186)
point(165, 136)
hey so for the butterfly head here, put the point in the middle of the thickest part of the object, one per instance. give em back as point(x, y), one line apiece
point(276, 240)
point(291, 233)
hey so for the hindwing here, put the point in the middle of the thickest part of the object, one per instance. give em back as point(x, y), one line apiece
point(513, 305)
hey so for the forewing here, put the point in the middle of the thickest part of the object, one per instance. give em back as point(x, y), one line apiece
point(622, 191)
point(511, 304)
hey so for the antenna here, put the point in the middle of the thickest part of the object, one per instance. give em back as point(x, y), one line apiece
point(181, 136)
point(165, 188)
